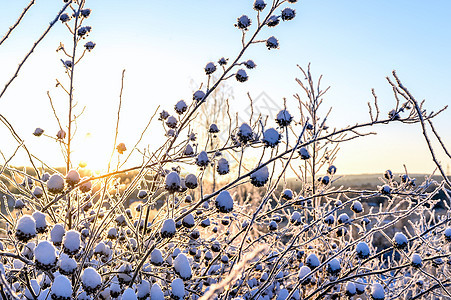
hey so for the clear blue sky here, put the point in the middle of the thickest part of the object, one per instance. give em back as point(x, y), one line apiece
point(165, 44)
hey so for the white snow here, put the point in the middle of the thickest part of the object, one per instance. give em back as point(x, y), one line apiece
point(45, 253)
point(55, 184)
point(171, 122)
point(357, 207)
point(223, 166)
point(303, 272)
point(45, 177)
point(72, 177)
point(86, 186)
point(62, 287)
point(26, 226)
point(112, 233)
point(142, 194)
point(350, 288)
point(333, 266)
point(156, 293)
point(283, 118)
point(172, 181)
point(41, 223)
point(71, 241)
point(57, 233)
point(67, 264)
point(38, 192)
point(377, 291)
point(303, 152)
point(271, 137)
point(241, 75)
point(156, 257)
point(295, 218)
point(245, 133)
point(180, 107)
point(36, 288)
point(224, 202)
point(447, 234)
point(100, 248)
point(244, 22)
point(202, 159)
point(360, 285)
point(177, 289)
point(312, 261)
point(191, 181)
point(287, 194)
point(182, 266)
point(143, 289)
point(188, 221)
point(188, 150)
point(416, 259)
point(343, 218)
point(400, 240)
point(363, 250)
point(90, 278)
point(260, 177)
point(210, 68)
point(168, 229)
point(129, 294)
point(283, 294)
point(38, 131)
point(198, 95)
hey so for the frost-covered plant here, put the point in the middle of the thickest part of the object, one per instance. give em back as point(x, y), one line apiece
point(69, 235)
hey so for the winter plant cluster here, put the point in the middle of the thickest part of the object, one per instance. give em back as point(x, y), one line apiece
point(252, 236)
